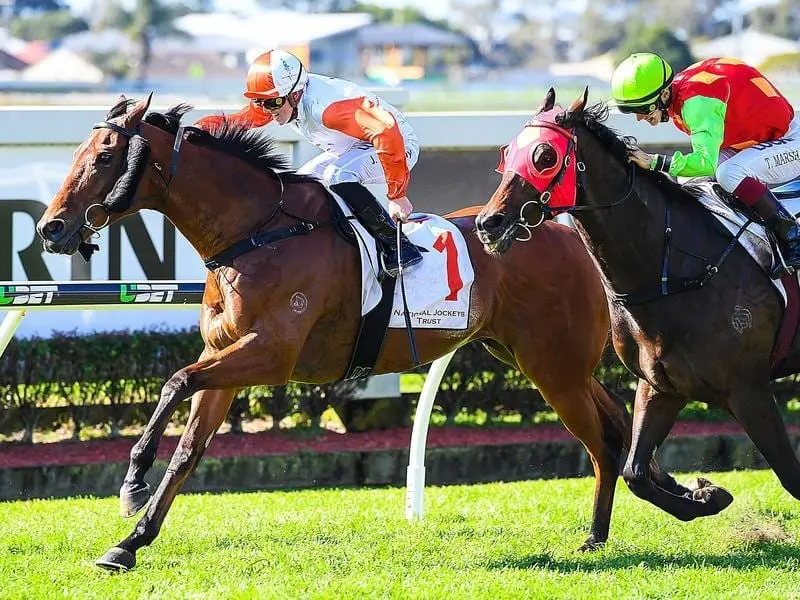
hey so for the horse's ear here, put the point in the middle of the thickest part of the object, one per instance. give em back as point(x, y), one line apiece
point(548, 103)
point(138, 111)
point(579, 104)
point(569, 117)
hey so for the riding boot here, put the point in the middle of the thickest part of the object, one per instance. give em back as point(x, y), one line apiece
point(371, 214)
point(785, 228)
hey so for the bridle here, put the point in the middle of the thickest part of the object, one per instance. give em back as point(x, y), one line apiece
point(120, 198)
point(666, 285)
point(543, 200)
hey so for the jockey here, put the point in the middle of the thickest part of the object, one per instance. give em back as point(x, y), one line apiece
point(364, 139)
point(741, 128)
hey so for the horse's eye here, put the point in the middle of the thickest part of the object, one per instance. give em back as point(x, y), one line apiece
point(104, 158)
point(544, 157)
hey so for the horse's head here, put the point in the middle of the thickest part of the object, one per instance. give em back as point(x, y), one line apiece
point(539, 175)
point(102, 183)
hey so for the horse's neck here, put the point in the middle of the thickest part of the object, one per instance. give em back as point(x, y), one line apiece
point(213, 207)
point(627, 240)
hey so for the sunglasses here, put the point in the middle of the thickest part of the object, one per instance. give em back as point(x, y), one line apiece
point(270, 103)
point(645, 109)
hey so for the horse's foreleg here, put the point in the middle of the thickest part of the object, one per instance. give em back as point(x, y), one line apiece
point(135, 492)
point(208, 411)
point(603, 427)
point(756, 411)
point(653, 417)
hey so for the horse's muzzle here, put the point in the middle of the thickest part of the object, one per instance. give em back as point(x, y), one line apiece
point(57, 238)
point(495, 232)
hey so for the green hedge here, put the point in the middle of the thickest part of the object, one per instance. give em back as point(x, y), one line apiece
point(113, 380)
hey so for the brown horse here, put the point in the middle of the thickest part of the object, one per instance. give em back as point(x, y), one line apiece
point(693, 316)
point(541, 308)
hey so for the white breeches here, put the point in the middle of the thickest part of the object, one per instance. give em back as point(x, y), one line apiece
point(771, 163)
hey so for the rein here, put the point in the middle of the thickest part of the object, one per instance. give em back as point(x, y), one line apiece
point(666, 285)
point(229, 254)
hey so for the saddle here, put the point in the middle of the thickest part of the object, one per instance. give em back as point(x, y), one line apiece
point(762, 248)
point(788, 194)
point(731, 212)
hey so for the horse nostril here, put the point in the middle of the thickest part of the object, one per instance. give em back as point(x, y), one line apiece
point(493, 223)
point(53, 230)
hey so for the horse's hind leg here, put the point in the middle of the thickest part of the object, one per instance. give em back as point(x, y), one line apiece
point(653, 417)
point(617, 407)
point(208, 411)
point(756, 411)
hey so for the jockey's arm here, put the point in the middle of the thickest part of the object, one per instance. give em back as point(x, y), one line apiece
point(705, 119)
point(363, 119)
point(251, 116)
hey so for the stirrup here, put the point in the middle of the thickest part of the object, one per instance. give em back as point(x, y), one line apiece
point(394, 271)
point(781, 269)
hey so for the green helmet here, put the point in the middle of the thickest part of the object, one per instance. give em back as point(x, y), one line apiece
point(638, 81)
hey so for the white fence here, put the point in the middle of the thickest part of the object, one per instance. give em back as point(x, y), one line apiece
point(18, 299)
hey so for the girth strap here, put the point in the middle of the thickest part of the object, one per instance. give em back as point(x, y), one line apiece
point(668, 286)
point(371, 333)
point(227, 256)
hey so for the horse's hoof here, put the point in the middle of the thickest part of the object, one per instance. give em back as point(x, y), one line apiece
point(591, 545)
point(131, 501)
point(715, 499)
point(117, 559)
point(699, 484)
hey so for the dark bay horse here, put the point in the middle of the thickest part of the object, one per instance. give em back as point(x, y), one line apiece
point(652, 239)
point(541, 308)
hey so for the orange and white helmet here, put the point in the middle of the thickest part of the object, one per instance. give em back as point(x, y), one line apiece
point(275, 74)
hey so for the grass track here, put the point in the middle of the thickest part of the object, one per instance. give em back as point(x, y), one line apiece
point(514, 540)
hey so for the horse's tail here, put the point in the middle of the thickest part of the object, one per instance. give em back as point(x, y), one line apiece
point(617, 421)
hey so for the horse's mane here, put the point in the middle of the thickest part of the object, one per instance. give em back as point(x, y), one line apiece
point(250, 145)
point(617, 144)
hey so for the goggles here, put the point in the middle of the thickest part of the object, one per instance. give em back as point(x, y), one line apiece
point(270, 103)
point(644, 109)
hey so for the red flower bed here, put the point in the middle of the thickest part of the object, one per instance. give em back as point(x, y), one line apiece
point(15, 455)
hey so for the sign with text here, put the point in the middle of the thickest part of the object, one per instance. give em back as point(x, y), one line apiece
point(144, 246)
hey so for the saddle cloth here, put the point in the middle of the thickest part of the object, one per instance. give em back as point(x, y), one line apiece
point(754, 240)
point(437, 289)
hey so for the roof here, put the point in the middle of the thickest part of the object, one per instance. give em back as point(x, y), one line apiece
point(751, 46)
point(269, 29)
point(105, 41)
point(33, 52)
point(9, 62)
point(9, 43)
point(207, 44)
point(63, 65)
point(193, 64)
point(411, 34)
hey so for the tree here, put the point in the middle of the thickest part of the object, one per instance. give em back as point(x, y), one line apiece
point(149, 19)
point(782, 18)
point(47, 26)
point(658, 40)
point(598, 34)
point(407, 14)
